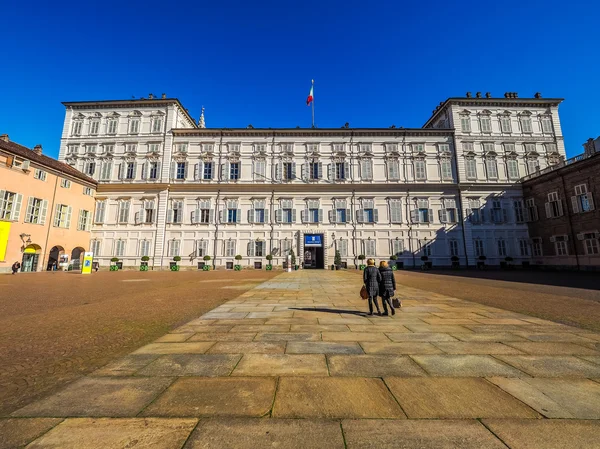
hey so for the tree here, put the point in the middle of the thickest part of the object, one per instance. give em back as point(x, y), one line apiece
point(337, 260)
point(293, 257)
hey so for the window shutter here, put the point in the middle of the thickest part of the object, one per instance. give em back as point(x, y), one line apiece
point(88, 221)
point(332, 216)
point(505, 215)
point(548, 210)
point(170, 215)
point(278, 215)
point(430, 216)
point(293, 215)
point(29, 211)
point(575, 204)
point(17, 207)
point(293, 170)
point(304, 171)
point(224, 174)
point(194, 216)
point(43, 212)
point(443, 214)
point(197, 172)
point(330, 172)
point(560, 208)
point(266, 215)
point(360, 216)
point(590, 199)
point(279, 170)
point(320, 170)
point(185, 170)
point(57, 215)
point(145, 166)
point(375, 215)
point(68, 220)
point(173, 170)
point(120, 171)
point(251, 216)
point(137, 217)
point(320, 215)
point(238, 216)
point(348, 215)
point(347, 170)
point(251, 249)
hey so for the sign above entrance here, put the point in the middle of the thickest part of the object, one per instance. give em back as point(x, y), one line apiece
point(314, 240)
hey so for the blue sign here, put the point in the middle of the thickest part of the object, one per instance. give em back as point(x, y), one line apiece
point(313, 240)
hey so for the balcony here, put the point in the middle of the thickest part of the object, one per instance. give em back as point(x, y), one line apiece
point(561, 164)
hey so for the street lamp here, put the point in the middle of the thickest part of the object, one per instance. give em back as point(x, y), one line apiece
point(25, 242)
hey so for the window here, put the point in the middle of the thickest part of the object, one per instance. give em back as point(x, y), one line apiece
point(425, 248)
point(36, 211)
point(524, 247)
point(422, 213)
point(260, 170)
point(470, 167)
point(94, 127)
point(486, 124)
point(395, 211)
point(153, 170)
point(393, 169)
point(62, 216)
point(109, 148)
point(144, 248)
point(85, 220)
point(287, 215)
point(39, 174)
point(90, 168)
point(582, 201)
point(232, 216)
point(131, 148)
point(560, 245)
point(519, 211)
point(100, 210)
point(397, 247)
point(202, 215)
point(106, 171)
point(157, 124)
point(257, 214)
point(174, 247)
point(123, 215)
point(153, 148)
point(532, 213)
point(536, 247)
point(465, 123)
point(513, 168)
point(501, 245)
point(479, 250)
point(591, 244)
point(370, 247)
point(180, 170)
point(181, 148)
point(546, 125)
point(207, 171)
point(229, 248)
point(368, 214)
point(446, 168)
point(448, 212)
point(533, 164)
point(88, 191)
point(554, 206)
point(148, 212)
point(234, 171)
point(175, 214)
point(498, 213)
point(259, 249)
point(418, 148)
point(526, 125)
point(76, 129)
point(95, 247)
point(286, 247)
point(111, 126)
point(288, 171)
point(366, 169)
point(130, 170)
point(491, 166)
point(338, 147)
point(72, 149)
point(340, 215)
point(340, 171)
point(453, 243)
point(420, 170)
point(505, 125)
point(120, 248)
point(315, 170)
point(342, 247)
point(65, 183)
point(474, 211)
point(134, 126)
point(364, 148)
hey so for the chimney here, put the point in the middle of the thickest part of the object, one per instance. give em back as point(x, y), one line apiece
point(538, 95)
point(4, 137)
point(478, 94)
point(164, 96)
point(150, 96)
point(488, 95)
point(37, 149)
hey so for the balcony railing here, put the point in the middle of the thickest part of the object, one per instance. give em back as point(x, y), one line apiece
point(561, 164)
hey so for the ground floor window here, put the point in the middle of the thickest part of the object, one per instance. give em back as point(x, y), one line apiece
point(537, 247)
point(591, 246)
point(479, 251)
point(502, 248)
point(560, 247)
point(453, 247)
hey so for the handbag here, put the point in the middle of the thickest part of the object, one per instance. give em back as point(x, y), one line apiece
point(396, 303)
point(364, 294)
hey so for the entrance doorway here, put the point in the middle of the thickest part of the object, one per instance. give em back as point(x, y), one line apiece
point(76, 256)
point(314, 255)
point(53, 257)
point(30, 258)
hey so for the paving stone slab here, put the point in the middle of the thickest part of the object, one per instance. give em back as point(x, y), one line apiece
point(334, 397)
point(322, 347)
point(591, 358)
point(282, 365)
point(400, 348)
point(17, 432)
point(199, 347)
point(319, 328)
point(261, 328)
point(443, 328)
point(229, 336)
point(295, 321)
point(107, 433)
point(244, 433)
point(455, 398)
point(476, 348)
point(546, 433)
point(213, 328)
point(553, 365)
point(174, 338)
point(565, 337)
point(418, 434)
point(126, 366)
point(99, 396)
point(492, 337)
point(373, 366)
point(210, 365)
point(354, 336)
point(207, 396)
point(555, 398)
point(287, 336)
point(420, 337)
point(255, 347)
point(553, 348)
point(465, 366)
point(377, 328)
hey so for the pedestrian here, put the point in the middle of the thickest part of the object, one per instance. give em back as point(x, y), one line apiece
point(15, 267)
point(387, 287)
point(371, 279)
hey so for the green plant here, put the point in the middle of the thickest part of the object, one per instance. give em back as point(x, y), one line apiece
point(269, 257)
point(508, 259)
point(362, 257)
point(424, 258)
point(238, 257)
point(393, 257)
point(145, 258)
point(114, 259)
point(337, 260)
point(207, 258)
point(482, 258)
point(177, 258)
point(293, 257)
point(454, 259)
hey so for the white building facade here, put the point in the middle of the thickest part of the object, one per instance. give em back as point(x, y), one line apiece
point(170, 187)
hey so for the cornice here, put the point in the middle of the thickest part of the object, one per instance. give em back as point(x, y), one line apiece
point(310, 132)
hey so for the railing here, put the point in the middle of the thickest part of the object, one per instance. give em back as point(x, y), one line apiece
point(561, 164)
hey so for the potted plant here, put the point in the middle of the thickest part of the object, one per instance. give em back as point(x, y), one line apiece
point(237, 266)
point(294, 259)
point(508, 260)
point(426, 264)
point(481, 262)
point(206, 266)
point(362, 266)
point(113, 264)
point(173, 265)
point(455, 261)
point(269, 259)
point(337, 260)
point(394, 264)
point(144, 264)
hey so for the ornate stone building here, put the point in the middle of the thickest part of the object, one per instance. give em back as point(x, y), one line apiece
point(170, 186)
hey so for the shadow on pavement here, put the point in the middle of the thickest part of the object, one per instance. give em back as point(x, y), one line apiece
point(312, 309)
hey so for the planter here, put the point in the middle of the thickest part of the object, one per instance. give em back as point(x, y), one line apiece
point(427, 266)
point(174, 266)
point(144, 267)
point(503, 265)
point(455, 264)
point(362, 267)
point(394, 267)
point(337, 267)
point(296, 267)
point(269, 267)
point(114, 268)
point(206, 268)
point(237, 267)
point(400, 265)
point(481, 265)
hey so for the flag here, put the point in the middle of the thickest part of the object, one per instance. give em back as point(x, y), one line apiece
point(310, 97)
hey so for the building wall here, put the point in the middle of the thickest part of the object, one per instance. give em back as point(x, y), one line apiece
point(43, 236)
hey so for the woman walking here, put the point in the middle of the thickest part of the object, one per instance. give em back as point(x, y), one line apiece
point(387, 287)
point(371, 279)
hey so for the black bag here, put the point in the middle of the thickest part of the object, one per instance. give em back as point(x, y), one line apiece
point(396, 303)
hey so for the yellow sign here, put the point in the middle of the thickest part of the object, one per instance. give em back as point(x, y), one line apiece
point(4, 233)
point(86, 267)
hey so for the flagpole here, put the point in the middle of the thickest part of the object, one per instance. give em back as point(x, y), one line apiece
point(313, 105)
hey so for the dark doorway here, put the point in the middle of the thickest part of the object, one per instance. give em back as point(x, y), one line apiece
point(53, 257)
point(313, 251)
point(30, 262)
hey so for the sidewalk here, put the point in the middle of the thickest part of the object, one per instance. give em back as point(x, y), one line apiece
point(295, 363)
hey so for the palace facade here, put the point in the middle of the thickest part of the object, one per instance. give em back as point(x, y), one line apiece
point(168, 185)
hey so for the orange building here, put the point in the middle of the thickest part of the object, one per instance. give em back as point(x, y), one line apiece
point(46, 210)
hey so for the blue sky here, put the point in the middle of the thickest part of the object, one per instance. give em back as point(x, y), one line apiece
point(374, 63)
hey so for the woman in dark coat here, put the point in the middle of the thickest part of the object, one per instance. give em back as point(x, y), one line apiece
point(387, 287)
point(371, 279)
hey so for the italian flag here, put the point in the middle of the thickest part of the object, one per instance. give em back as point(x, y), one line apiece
point(310, 97)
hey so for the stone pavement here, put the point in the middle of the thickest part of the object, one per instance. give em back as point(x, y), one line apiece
point(296, 363)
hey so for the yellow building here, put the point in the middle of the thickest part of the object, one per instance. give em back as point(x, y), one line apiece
point(46, 210)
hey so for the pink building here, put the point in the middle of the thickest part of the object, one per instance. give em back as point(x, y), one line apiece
point(46, 210)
